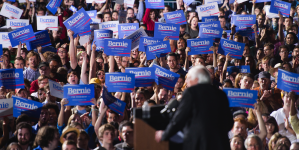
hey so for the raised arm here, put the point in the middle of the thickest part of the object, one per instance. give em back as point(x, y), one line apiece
point(19, 50)
point(280, 28)
point(111, 64)
point(186, 60)
point(146, 17)
point(140, 10)
point(72, 52)
point(39, 50)
point(84, 76)
point(257, 39)
point(61, 114)
point(293, 114)
point(92, 70)
point(263, 131)
point(103, 109)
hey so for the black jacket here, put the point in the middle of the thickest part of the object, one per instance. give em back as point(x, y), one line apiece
point(205, 116)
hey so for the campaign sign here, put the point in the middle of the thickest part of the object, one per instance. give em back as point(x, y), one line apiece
point(156, 49)
point(110, 25)
point(211, 1)
point(261, 1)
point(113, 103)
point(238, 69)
point(6, 108)
point(117, 47)
point(1, 50)
point(17, 23)
point(165, 77)
point(188, 2)
point(210, 9)
point(144, 76)
point(135, 37)
point(176, 17)
point(210, 32)
point(12, 78)
point(100, 36)
point(42, 39)
point(92, 14)
point(26, 106)
point(79, 23)
point(126, 29)
point(241, 97)
point(73, 8)
point(24, 34)
point(215, 24)
point(96, 1)
point(144, 41)
point(244, 20)
point(130, 3)
point(11, 11)
point(47, 22)
point(4, 39)
point(234, 48)
point(56, 89)
point(154, 4)
point(167, 29)
point(288, 81)
point(200, 46)
point(268, 13)
point(120, 82)
point(53, 5)
point(283, 7)
point(78, 94)
point(209, 18)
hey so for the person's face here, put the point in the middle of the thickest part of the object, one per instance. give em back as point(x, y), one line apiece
point(33, 62)
point(19, 64)
point(117, 59)
point(221, 13)
point(260, 21)
point(107, 17)
point(252, 144)
point(239, 129)
point(236, 144)
point(194, 22)
point(71, 136)
point(171, 61)
point(227, 85)
point(108, 136)
point(77, 119)
point(127, 134)
point(283, 141)
point(199, 61)
point(69, 147)
point(295, 52)
point(14, 147)
point(139, 99)
point(294, 146)
point(181, 44)
point(259, 54)
point(72, 3)
point(152, 15)
point(222, 22)
point(40, 13)
point(115, 16)
point(23, 136)
point(23, 54)
point(287, 22)
point(264, 83)
point(246, 50)
point(165, 10)
point(101, 75)
point(5, 62)
point(111, 117)
point(191, 14)
point(270, 128)
point(286, 100)
point(283, 53)
point(247, 61)
point(52, 116)
point(125, 62)
point(62, 53)
point(257, 11)
point(53, 66)
point(290, 39)
point(43, 83)
point(73, 79)
point(82, 141)
point(265, 65)
point(287, 67)
point(295, 30)
point(268, 51)
point(163, 95)
point(45, 71)
point(134, 54)
point(179, 84)
point(44, 116)
point(41, 96)
point(246, 83)
point(130, 13)
point(23, 94)
point(193, 57)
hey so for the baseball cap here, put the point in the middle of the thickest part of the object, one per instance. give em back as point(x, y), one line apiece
point(94, 81)
point(240, 112)
point(43, 64)
point(224, 32)
point(264, 74)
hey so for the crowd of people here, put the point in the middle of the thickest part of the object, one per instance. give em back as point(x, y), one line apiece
point(273, 124)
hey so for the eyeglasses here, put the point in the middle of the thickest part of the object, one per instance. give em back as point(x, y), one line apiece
point(61, 51)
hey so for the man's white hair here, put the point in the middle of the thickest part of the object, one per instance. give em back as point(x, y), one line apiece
point(201, 73)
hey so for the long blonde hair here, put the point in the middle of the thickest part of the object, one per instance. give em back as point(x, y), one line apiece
point(252, 119)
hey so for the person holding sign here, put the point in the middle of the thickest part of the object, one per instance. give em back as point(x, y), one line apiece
point(192, 28)
point(149, 19)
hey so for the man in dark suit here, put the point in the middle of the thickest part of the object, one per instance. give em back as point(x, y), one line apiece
point(203, 115)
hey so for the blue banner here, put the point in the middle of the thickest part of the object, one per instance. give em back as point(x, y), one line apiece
point(24, 34)
point(156, 49)
point(288, 81)
point(165, 77)
point(154, 4)
point(200, 46)
point(241, 97)
point(283, 7)
point(234, 48)
point(117, 47)
point(238, 69)
point(244, 20)
point(210, 32)
point(144, 76)
point(176, 17)
point(42, 39)
point(209, 18)
point(261, 1)
point(92, 14)
point(120, 82)
point(167, 29)
point(78, 94)
point(215, 24)
point(100, 36)
point(144, 41)
point(12, 78)
point(1, 50)
point(26, 106)
point(113, 103)
point(53, 5)
point(127, 29)
point(188, 2)
point(79, 23)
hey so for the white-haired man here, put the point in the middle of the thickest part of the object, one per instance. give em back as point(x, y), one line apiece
point(199, 114)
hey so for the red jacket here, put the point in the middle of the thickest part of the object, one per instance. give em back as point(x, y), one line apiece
point(34, 85)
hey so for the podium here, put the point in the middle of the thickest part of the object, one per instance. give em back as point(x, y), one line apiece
point(144, 129)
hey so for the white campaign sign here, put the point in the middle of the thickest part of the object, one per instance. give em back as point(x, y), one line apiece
point(6, 108)
point(24, 1)
point(130, 3)
point(211, 1)
point(268, 14)
point(96, 1)
point(84, 39)
point(135, 37)
point(11, 11)
point(210, 9)
point(17, 23)
point(110, 25)
point(4, 40)
point(56, 89)
point(47, 22)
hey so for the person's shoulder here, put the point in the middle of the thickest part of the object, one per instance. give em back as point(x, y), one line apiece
point(275, 113)
point(257, 88)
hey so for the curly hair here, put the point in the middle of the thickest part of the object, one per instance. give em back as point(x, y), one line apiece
point(45, 135)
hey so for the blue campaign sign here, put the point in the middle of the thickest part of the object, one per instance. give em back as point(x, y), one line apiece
point(92, 14)
point(288, 81)
point(156, 49)
point(120, 82)
point(154, 4)
point(79, 23)
point(42, 39)
point(215, 24)
point(165, 77)
point(126, 29)
point(200, 46)
point(117, 47)
point(283, 7)
point(244, 20)
point(53, 5)
point(167, 29)
point(241, 97)
point(73, 8)
point(210, 32)
point(26, 106)
point(78, 94)
point(144, 41)
point(24, 34)
point(209, 18)
point(234, 48)
point(100, 36)
point(113, 103)
point(1, 50)
point(12, 78)
point(144, 76)
point(238, 69)
point(261, 1)
point(176, 17)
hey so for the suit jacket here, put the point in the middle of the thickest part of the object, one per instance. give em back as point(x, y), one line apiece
point(205, 116)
